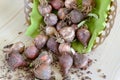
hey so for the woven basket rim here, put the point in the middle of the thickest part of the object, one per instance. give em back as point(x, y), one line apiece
point(101, 37)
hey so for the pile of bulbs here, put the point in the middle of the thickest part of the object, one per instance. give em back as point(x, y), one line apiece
point(61, 29)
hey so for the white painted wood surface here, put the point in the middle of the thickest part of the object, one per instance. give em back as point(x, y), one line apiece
point(108, 54)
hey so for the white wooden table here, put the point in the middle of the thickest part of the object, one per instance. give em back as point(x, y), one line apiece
point(12, 22)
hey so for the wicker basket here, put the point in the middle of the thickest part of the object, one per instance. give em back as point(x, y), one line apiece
point(104, 33)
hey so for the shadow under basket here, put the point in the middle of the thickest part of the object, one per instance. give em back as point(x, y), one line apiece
point(100, 39)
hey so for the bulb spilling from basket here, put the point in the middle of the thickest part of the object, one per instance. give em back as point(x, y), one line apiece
point(65, 31)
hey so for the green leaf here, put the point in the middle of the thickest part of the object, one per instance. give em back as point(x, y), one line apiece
point(36, 20)
point(79, 4)
point(95, 25)
point(81, 23)
point(93, 15)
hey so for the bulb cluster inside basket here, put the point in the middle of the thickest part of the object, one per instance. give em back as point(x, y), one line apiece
point(64, 21)
point(77, 22)
point(64, 25)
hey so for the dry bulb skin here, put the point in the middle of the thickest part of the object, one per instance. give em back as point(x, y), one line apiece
point(15, 60)
point(44, 57)
point(67, 20)
point(81, 61)
point(68, 33)
point(60, 25)
point(87, 5)
point(66, 62)
point(16, 47)
point(51, 31)
point(53, 45)
point(83, 36)
point(74, 26)
point(70, 4)
point(44, 7)
point(31, 52)
point(40, 41)
point(63, 12)
point(43, 71)
point(76, 16)
point(57, 4)
point(50, 19)
point(64, 48)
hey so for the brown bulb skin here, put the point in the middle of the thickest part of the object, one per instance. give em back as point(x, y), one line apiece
point(65, 61)
point(83, 36)
point(68, 33)
point(31, 52)
point(45, 9)
point(87, 6)
point(70, 4)
point(40, 41)
point(15, 60)
point(18, 47)
point(44, 57)
point(81, 61)
point(43, 71)
point(88, 3)
point(51, 31)
point(76, 16)
point(64, 48)
point(63, 12)
point(57, 4)
point(50, 19)
point(74, 26)
point(60, 25)
point(53, 45)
